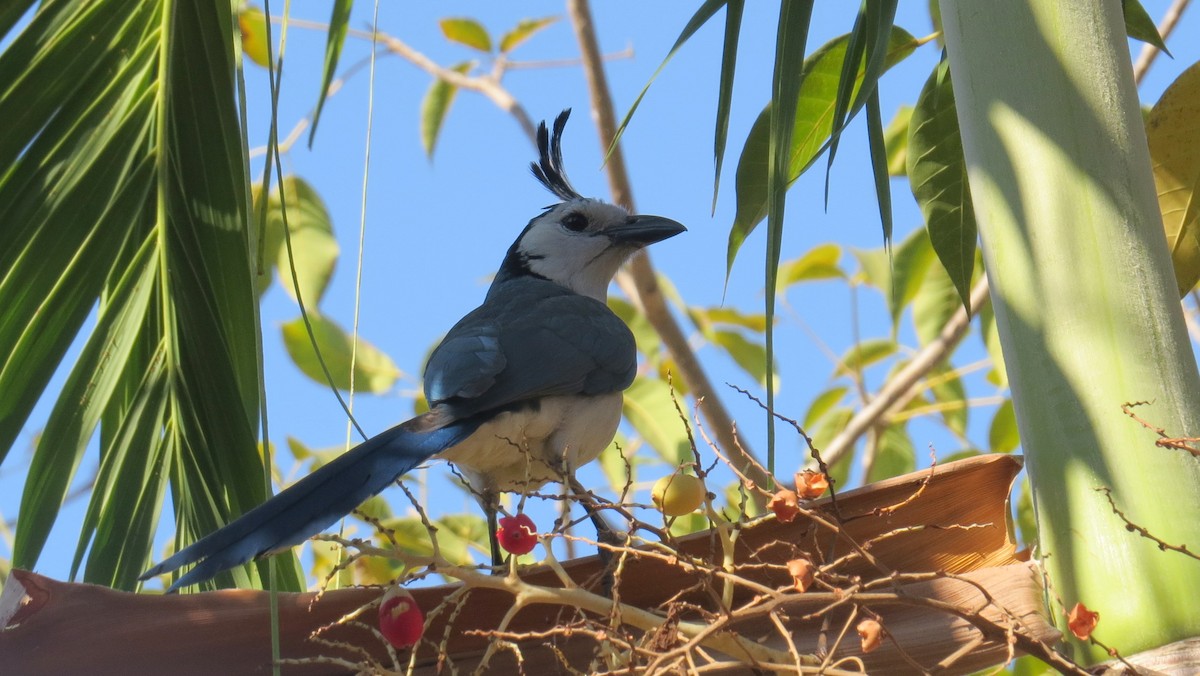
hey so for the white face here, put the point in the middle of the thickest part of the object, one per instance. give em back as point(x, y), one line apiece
point(567, 246)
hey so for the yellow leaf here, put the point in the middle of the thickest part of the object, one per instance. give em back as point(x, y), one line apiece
point(467, 32)
point(253, 25)
point(1173, 130)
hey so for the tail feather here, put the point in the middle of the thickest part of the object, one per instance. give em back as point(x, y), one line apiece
point(315, 502)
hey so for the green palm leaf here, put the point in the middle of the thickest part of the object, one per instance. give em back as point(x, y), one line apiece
point(124, 194)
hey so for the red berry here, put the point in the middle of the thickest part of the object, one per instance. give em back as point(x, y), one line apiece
point(400, 618)
point(517, 534)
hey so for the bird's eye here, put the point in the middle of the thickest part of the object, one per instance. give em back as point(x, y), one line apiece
point(575, 222)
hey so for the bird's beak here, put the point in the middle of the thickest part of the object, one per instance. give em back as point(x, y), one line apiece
point(643, 230)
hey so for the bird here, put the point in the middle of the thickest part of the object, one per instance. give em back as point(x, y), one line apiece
point(524, 389)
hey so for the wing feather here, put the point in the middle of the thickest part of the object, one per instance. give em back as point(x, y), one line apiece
point(531, 338)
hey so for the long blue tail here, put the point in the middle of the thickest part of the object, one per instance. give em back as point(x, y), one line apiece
point(316, 501)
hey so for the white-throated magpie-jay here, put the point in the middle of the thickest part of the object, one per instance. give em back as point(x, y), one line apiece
point(523, 389)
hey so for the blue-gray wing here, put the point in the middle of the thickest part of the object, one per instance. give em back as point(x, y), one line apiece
point(530, 338)
point(467, 361)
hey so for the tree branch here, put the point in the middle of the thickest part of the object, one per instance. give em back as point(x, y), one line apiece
point(1165, 27)
point(902, 387)
point(638, 279)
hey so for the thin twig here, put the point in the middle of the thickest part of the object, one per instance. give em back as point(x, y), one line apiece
point(1188, 444)
point(1142, 530)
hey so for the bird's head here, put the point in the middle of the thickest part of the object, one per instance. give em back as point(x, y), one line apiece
point(578, 243)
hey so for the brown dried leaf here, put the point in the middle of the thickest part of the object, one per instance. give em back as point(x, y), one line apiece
point(1173, 131)
point(785, 504)
point(801, 571)
point(1082, 622)
point(872, 633)
point(810, 484)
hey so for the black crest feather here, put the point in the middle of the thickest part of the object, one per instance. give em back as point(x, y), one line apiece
point(549, 167)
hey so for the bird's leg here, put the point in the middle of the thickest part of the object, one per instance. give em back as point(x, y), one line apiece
point(490, 501)
point(605, 533)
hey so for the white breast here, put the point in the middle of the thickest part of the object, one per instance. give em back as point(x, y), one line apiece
point(522, 450)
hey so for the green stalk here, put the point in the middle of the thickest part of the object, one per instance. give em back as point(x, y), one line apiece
point(1086, 306)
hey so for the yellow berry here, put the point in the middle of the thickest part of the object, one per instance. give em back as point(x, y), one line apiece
point(677, 494)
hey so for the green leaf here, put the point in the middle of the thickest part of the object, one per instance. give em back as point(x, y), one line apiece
point(935, 303)
point(436, 105)
point(687, 524)
point(470, 529)
point(937, 173)
point(879, 166)
point(1139, 25)
point(911, 265)
point(458, 535)
point(302, 451)
point(325, 559)
point(128, 494)
point(790, 40)
point(266, 256)
point(11, 13)
point(820, 262)
point(948, 389)
point(334, 39)
point(823, 431)
point(866, 49)
point(701, 17)
point(895, 137)
point(522, 32)
point(374, 371)
point(734, 500)
point(732, 317)
point(733, 29)
point(649, 408)
point(823, 404)
point(57, 263)
point(1027, 515)
point(1002, 435)
point(1173, 131)
point(813, 124)
point(864, 354)
point(901, 275)
point(1029, 665)
point(97, 375)
point(314, 247)
point(467, 32)
point(123, 165)
point(375, 507)
point(895, 454)
point(749, 355)
point(647, 338)
point(875, 268)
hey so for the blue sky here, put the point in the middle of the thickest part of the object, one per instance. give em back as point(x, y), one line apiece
point(436, 230)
